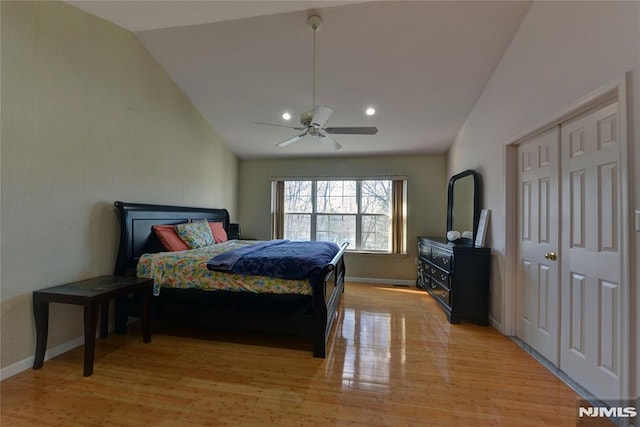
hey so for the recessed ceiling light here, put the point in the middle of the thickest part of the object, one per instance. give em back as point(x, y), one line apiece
point(370, 111)
point(286, 116)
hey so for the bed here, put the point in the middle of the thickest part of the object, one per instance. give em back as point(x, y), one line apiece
point(310, 309)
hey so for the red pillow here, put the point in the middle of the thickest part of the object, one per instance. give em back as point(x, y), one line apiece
point(169, 238)
point(219, 235)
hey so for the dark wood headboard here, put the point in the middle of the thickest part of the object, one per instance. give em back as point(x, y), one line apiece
point(136, 233)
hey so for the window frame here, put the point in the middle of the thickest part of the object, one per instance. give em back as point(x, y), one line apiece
point(396, 244)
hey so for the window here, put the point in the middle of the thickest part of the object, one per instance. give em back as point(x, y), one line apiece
point(367, 213)
point(298, 207)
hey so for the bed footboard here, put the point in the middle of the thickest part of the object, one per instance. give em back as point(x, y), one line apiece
point(326, 300)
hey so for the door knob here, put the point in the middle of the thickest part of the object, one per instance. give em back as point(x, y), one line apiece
point(551, 255)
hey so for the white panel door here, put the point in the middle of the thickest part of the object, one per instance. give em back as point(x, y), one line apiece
point(590, 272)
point(537, 287)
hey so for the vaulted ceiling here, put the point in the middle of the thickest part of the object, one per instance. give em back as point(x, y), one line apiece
point(421, 65)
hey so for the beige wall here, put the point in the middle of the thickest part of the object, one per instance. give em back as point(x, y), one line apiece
point(562, 52)
point(88, 117)
point(426, 205)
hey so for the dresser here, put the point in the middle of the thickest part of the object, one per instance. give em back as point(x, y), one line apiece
point(457, 276)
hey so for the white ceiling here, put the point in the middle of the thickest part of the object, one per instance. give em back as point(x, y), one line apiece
point(421, 64)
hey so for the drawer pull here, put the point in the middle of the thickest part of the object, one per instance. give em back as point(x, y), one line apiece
point(443, 277)
point(445, 261)
point(444, 294)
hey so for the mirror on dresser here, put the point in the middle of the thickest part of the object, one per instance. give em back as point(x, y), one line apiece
point(463, 204)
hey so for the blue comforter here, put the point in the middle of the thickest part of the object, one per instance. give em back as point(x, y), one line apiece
point(291, 260)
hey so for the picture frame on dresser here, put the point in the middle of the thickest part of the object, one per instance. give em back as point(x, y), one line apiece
point(483, 224)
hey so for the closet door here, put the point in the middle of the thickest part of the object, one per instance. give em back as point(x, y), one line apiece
point(591, 259)
point(537, 287)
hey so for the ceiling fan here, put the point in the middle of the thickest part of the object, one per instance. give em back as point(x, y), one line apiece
point(313, 121)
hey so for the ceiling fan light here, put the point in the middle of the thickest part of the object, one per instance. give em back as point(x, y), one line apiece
point(370, 111)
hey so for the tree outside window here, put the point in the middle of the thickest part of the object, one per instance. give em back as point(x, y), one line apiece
point(354, 211)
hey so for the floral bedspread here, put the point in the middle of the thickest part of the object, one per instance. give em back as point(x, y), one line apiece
point(188, 269)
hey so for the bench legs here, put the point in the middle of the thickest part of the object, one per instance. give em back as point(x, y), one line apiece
point(41, 314)
point(91, 311)
point(122, 315)
point(90, 326)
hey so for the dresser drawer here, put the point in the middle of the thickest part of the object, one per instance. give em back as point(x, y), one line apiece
point(441, 259)
point(436, 273)
point(440, 292)
point(424, 250)
point(431, 269)
point(442, 278)
point(456, 267)
point(424, 282)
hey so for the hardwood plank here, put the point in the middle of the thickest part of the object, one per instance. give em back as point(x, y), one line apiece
point(394, 360)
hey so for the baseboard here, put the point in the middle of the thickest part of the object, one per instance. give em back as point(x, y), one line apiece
point(397, 282)
point(496, 325)
point(23, 365)
point(581, 391)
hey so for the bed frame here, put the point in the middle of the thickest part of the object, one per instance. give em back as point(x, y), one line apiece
point(311, 316)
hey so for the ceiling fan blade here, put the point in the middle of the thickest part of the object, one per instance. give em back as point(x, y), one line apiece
point(327, 139)
point(281, 126)
point(291, 140)
point(353, 130)
point(320, 116)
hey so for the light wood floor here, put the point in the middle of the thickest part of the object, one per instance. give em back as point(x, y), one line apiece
point(393, 360)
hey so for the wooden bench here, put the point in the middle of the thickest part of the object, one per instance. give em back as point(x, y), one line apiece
point(90, 293)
